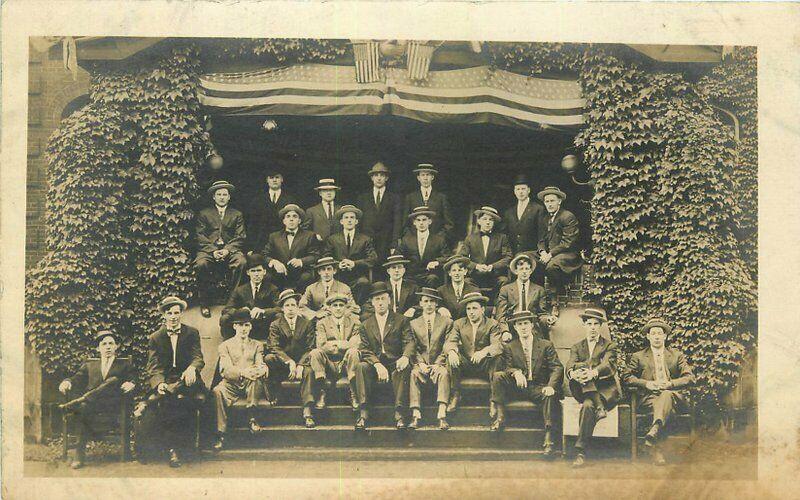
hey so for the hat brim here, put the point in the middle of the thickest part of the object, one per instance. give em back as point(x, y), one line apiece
point(667, 329)
point(512, 266)
point(379, 292)
point(529, 317)
point(325, 264)
point(482, 299)
point(562, 195)
point(373, 172)
point(326, 188)
point(429, 213)
point(463, 261)
point(101, 335)
point(420, 170)
point(584, 317)
point(478, 213)
point(299, 211)
point(164, 307)
point(214, 189)
point(295, 296)
point(429, 295)
point(402, 261)
point(357, 211)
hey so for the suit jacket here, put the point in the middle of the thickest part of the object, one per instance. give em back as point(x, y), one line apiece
point(90, 376)
point(442, 221)
point(463, 340)
point(604, 360)
point(383, 224)
point(545, 366)
point(397, 341)
point(327, 331)
point(361, 252)
point(295, 345)
point(242, 296)
point(408, 296)
point(641, 369)
point(159, 355)
point(209, 228)
point(508, 300)
point(523, 234)
point(451, 302)
point(313, 298)
point(431, 351)
point(233, 359)
point(317, 222)
point(435, 249)
point(304, 247)
point(263, 218)
point(498, 256)
point(561, 234)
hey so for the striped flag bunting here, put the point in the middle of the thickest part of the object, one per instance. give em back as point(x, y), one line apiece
point(419, 57)
point(368, 59)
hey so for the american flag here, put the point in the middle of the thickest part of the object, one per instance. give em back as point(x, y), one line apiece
point(368, 58)
point(418, 57)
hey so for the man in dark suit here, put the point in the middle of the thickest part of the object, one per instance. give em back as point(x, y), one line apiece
point(523, 291)
point(558, 240)
point(402, 292)
point(262, 217)
point(523, 220)
point(593, 381)
point(291, 252)
point(91, 375)
point(426, 251)
point(321, 218)
point(452, 292)
point(432, 199)
point(291, 339)
point(386, 347)
point(660, 375)
point(258, 296)
point(531, 370)
point(488, 251)
point(174, 362)
point(220, 238)
point(353, 250)
point(382, 212)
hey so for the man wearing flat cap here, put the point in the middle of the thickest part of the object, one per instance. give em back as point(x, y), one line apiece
point(427, 251)
point(458, 287)
point(104, 380)
point(291, 252)
point(313, 303)
point(382, 212)
point(321, 218)
point(220, 239)
point(661, 376)
point(523, 294)
point(262, 217)
point(258, 296)
point(559, 239)
point(522, 220)
point(593, 381)
point(353, 250)
point(531, 371)
point(432, 199)
point(489, 251)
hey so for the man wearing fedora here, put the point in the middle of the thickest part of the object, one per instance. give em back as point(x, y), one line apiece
point(321, 218)
point(522, 220)
point(523, 294)
point(314, 299)
point(353, 250)
point(244, 374)
point(386, 347)
point(402, 292)
point(430, 331)
point(291, 252)
point(174, 362)
point(92, 374)
point(258, 296)
point(263, 216)
point(559, 239)
point(220, 240)
point(531, 371)
point(291, 339)
point(432, 199)
point(382, 218)
point(452, 292)
point(427, 251)
point(593, 381)
point(661, 375)
point(489, 251)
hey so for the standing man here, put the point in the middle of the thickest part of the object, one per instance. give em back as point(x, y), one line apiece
point(451, 293)
point(523, 219)
point(321, 218)
point(220, 238)
point(660, 375)
point(382, 212)
point(433, 200)
point(258, 296)
point(558, 241)
point(488, 251)
point(174, 362)
point(522, 294)
point(593, 382)
point(263, 218)
point(532, 372)
point(354, 251)
point(426, 250)
point(290, 253)
point(386, 346)
point(314, 299)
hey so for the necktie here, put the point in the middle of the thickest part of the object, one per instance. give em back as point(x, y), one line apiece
point(349, 243)
point(527, 357)
point(425, 195)
point(458, 293)
point(430, 331)
point(273, 197)
point(327, 290)
point(378, 199)
point(524, 304)
point(256, 290)
point(396, 297)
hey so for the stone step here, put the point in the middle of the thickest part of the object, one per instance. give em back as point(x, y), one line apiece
point(374, 454)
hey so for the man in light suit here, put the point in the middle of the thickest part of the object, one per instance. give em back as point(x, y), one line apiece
point(220, 238)
point(593, 381)
point(290, 253)
point(354, 251)
point(244, 374)
point(312, 303)
point(522, 222)
point(433, 200)
point(262, 217)
point(321, 218)
point(660, 375)
point(524, 291)
point(426, 251)
point(488, 251)
point(430, 367)
point(258, 296)
point(383, 212)
point(559, 238)
point(451, 293)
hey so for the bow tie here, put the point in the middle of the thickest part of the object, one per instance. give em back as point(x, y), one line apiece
point(173, 332)
point(484, 233)
point(291, 233)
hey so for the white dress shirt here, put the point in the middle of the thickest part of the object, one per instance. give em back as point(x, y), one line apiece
point(426, 193)
point(376, 192)
point(521, 206)
point(422, 241)
point(397, 289)
point(527, 349)
point(221, 211)
point(381, 319)
point(105, 365)
point(485, 241)
point(274, 196)
point(522, 300)
point(174, 341)
point(349, 236)
point(660, 365)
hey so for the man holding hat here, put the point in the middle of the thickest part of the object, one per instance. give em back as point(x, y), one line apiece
point(523, 219)
point(532, 372)
point(522, 294)
point(314, 299)
point(258, 296)
point(382, 212)
point(592, 375)
point(322, 218)
point(433, 200)
point(386, 347)
point(244, 373)
point(429, 364)
point(659, 374)
point(559, 238)
point(426, 250)
point(353, 250)
point(488, 251)
point(451, 293)
point(220, 239)
point(291, 252)
point(263, 218)
point(92, 374)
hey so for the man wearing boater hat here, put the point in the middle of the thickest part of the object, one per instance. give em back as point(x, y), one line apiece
point(488, 251)
point(661, 375)
point(523, 294)
point(314, 299)
point(402, 292)
point(452, 292)
point(262, 217)
point(220, 239)
point(382, 212)
point(559, 237)
point(353, 250)
point(531, 371)
point(291, 252)
point(593, 381)
point(426, 250)
point(432, 199)
point(321, 218)
point(258, 295)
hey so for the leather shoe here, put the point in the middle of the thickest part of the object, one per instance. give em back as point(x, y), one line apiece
point(174, 460)
point(219, 444)
point(254, 427)
point(361, 424)
point(548, 450)
point(320, 404)
point(651, 437)
point(453, 404)
point(492, 410)
point(206, 312)
point(76, 464)
point(414, 423)
point(658, 457)
point(579, 461)
point(400, 424)
point(601, 414)
point(443, 424)
point(309, 422)
point(498, 425)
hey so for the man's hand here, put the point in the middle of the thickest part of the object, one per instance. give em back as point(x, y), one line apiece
point(127, 387)
point(296, 263)
point(217, 254)
point(347, 264)
point(225, 252)
point(432, 265)
point(550, 319)
point(452, 358)
point(478, 356)
point(162, 388)
point(579, 375)
point(506, 337)
point(189, 376)
point(292, 365)
point(544, 257)
point(444, 312)
point(402, 363)
point(65, 386)
point(321, 313)
point(382, 372)
point(298, 372)
point(278, 266)
point(652, 386)
point(424, 368)
point(256, 312)
point(548, 391)
point(437, 371)
point(409, 312)
point(520, 379)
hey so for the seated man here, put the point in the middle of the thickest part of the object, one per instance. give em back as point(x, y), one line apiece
point(337, 348)
point(488, 251)
point(174, 362)
point(353, 250)
point(291, 339)
point(312, 303)
point(102, 382)
point(451, 293)
point(425, 250)
point(386, 346)
point(258, 296)
point(659, 373)
point(291, 252)
point(244, 373)
point(532, 371)
point(322, 218)
point(559, 236)
point(402, 292)
point(473, 347)
point(592, 374)
point(430, 332)
point(220, 239)
point(523, 291)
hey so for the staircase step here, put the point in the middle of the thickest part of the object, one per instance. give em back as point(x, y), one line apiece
point(374, 454)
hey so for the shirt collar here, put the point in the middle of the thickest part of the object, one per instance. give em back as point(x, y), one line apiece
point(420, 234)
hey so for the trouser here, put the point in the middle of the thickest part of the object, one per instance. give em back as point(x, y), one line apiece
point(297, 279)
point(419, 379)
point(205, 266)
point(504, 389)
point(86, 420)
point(663, 404)
point(467, 369)
point(367, 379)
point(491, 280)
point(559, 270)
point(279, 371)
point(228, 392)
point(430, 279)
point(328, 367)
point(587, 419)
point(175, 417)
